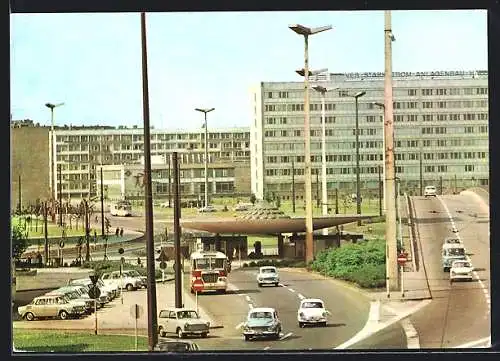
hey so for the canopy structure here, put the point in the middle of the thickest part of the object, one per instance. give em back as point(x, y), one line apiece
point(258, 226)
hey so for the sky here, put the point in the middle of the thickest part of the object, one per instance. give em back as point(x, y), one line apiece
point(92, 62)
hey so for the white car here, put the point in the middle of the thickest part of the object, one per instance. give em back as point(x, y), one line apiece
point(461, 270)
point(430, 191)
point(130, 280)
point(207, 209)
point(182, 322)
point(312, 311)
point(268, 275)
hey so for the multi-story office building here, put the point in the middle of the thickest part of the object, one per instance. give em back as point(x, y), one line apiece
point(439, 117)
point(80, 151)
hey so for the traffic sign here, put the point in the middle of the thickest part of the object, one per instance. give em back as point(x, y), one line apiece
point(402, 258)
point(198, 285)
point(121, 250)
point(136, 311)
point(163, 264)
point(162, 257)
point(61, 244)
point(94, 292)
point(94, 278)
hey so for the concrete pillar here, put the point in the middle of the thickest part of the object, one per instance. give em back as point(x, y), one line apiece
point(217, 243)
point(281, 242)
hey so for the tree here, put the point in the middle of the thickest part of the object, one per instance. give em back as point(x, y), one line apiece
point(278, 201)
point(253, 198)
point(19, 242)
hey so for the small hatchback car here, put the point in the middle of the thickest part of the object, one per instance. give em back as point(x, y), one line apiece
point(183, 322)
point(461, 270)
point(312, 312)
point(430, 191)
point(268, 275)
point(262, 322)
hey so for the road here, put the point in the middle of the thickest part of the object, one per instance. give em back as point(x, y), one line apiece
point(348, 307)
point(460, 312)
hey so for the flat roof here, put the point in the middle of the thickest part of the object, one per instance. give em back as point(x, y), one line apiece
point(265, 226)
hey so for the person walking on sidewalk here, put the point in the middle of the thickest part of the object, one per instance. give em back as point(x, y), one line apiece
point(121, 232)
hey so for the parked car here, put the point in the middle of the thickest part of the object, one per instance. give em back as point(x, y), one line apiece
point(105, 295)
point(262, 322)
point(268, 275)
point(130, 280)
point(240, 207)
point(207, 209)
point(312, 312)
point(430, 191)
point(74, 297)
point(50, 306)
point(182, 322)
point(461, 270)
point(83, 292)
point(176, 346)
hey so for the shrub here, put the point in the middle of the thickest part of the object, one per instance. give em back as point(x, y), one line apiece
point(252, 264)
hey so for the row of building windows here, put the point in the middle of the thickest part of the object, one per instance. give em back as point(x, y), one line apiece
point(274, 159)
point(409, 92)
point(154, 137)
point(270, 172)
point(369, 106)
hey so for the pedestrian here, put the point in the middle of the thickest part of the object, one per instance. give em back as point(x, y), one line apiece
point(117, 231)
point(121, 232)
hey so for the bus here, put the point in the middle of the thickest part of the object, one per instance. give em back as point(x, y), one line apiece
point(211, 267)
point(121, 209)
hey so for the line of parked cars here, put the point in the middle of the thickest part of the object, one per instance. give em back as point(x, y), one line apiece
point(74, 300)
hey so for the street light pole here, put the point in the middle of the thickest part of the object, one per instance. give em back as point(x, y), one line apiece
point(60, 196)
point(306, 32)
point(52, 146)
point(390, 224)
point(382, 106)
point(205, 111)
point(102, 206)
point(323, 91)
point(152, 316)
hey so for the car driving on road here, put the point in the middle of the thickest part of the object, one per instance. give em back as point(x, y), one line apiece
point(451, 253)
point(312, 312)
point(268, 275)
point(262, 322)
point(182, 322)
point(461, 270)
point(430, 191)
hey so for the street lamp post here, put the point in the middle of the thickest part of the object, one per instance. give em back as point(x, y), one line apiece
point(382, 106)
point(52, 146)
point(205, 111)
point(306, 32)
point(322, 90)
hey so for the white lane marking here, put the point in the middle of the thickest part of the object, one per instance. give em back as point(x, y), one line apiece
point(286, 336)
point(281, 285)
point(267, 347)
point(476, 276)
point(486, 340)
point(291, 290)
point(242, 294)
point(301, 296)
point(247, 298)
point(371, 327)
point(412, 339)
point(374, 314)
point(239, 325)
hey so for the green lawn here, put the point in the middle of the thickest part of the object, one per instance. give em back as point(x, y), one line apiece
point(74, 342)
point(53, 229)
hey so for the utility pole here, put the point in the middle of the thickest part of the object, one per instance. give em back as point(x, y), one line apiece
point(421, 174)
point(293, 185)
point(169, 185)
point(380, 191)
point(336, 201)
point(45, 232)
point(150, 263)
point(102, 207)
point(87, 230)
point(177, 234)
point(317, 190)
point(19, 205)
point(390, 223)
point(60, 196)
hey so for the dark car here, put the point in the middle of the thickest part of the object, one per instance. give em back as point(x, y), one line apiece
point(176, 346)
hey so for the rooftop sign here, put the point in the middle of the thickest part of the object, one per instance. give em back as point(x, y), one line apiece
point(403, 74)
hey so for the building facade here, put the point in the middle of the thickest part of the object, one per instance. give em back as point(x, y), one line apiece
point(81, 151)
point(440, 132)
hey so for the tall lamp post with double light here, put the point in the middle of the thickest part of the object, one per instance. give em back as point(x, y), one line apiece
point(306, 32)
point(205, 125)
point(52, 106)
point(322, 90)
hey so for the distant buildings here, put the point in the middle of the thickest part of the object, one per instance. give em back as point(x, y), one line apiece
point(440, 117)
point(81, 151)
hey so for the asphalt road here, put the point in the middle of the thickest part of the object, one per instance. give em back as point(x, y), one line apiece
point(459, 312)
point(349, 312)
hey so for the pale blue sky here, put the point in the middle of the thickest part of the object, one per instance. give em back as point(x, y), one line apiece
point(92, 62)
